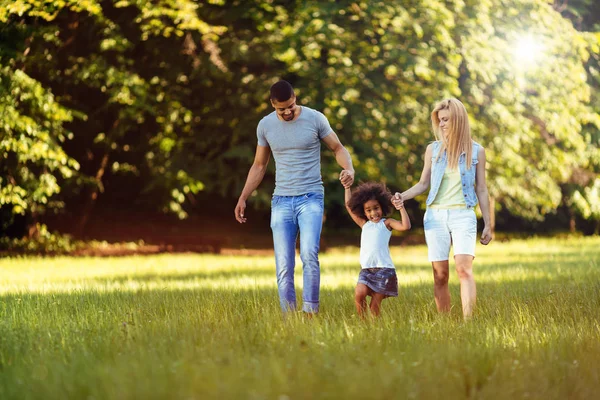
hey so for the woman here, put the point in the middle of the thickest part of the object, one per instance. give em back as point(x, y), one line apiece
point(455, 168)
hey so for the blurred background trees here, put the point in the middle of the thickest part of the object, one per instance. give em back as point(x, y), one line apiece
point(150, 108)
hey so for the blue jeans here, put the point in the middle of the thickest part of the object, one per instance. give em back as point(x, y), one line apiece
point(290, 214)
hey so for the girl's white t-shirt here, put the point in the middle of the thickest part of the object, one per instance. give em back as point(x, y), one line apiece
point(375, 245)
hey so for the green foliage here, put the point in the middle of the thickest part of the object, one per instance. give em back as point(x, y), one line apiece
point(587, 201)
point(44, 243)
point(377, 69)
point(582, 189)
point(164, 97)
point(525, 113)
point(130, 108)
point(32, 160)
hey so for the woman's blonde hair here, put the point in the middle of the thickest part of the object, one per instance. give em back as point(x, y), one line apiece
point(459, 136)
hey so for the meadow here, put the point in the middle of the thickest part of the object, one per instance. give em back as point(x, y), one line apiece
point(198, 326)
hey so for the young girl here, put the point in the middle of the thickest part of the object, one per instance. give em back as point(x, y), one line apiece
point(368, 206)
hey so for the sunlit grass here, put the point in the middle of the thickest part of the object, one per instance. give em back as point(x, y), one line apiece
point(207, 326)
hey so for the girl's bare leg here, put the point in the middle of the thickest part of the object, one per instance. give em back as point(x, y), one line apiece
point(360, 298)
point(375, 306)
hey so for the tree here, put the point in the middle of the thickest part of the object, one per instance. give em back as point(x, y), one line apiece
point(122, 69)
point(376, 70)
point(32, 163)
point(163, 97)
point(581, 193)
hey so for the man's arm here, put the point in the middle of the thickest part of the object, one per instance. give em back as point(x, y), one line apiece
point(342, 157)
point(255, 177)
point(483, 197)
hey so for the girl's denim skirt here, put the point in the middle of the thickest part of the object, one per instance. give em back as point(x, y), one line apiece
point(380, 280)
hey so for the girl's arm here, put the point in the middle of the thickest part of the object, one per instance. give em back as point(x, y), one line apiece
point(483, 197)
point(402, 225)
point(359, 221)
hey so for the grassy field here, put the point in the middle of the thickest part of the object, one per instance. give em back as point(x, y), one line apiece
point(206, 326)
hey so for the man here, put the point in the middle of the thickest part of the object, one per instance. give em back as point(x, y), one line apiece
point(293, 134)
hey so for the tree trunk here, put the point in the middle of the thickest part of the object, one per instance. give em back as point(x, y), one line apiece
point(572, 222)
point(90, 199)
point(33, 230)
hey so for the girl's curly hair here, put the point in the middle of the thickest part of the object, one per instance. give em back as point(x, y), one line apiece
point(370, 191)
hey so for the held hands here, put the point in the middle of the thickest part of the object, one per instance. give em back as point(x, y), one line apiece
point(397, 201)
point(347, 178)
point(486, 236)
point(240, 208)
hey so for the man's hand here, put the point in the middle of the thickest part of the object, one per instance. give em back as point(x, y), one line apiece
point(486, 236)
point(347, 178)
point(240, 208)
point(397, 201)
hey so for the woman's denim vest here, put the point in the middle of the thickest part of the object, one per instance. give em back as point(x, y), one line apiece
point(467, 174)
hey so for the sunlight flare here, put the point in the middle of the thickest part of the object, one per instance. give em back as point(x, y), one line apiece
point(528, 51)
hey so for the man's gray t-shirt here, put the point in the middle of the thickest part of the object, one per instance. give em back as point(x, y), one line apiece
point(296, 148)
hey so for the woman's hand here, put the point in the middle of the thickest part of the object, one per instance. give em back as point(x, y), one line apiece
point(397, 201)
point(486, 236)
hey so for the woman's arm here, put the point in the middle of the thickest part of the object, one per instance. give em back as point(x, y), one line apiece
point(482, 195)
point(423, 183)
point(359, 221)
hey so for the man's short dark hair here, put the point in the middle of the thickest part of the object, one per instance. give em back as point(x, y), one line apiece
point(282, 91)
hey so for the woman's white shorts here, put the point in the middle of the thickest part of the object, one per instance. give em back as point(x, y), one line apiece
point(450, 227)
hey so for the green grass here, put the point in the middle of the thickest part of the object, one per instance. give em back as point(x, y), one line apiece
point(205, 326)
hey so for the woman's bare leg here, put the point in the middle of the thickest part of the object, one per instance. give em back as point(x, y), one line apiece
point(440, 285)
point(468, 291)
